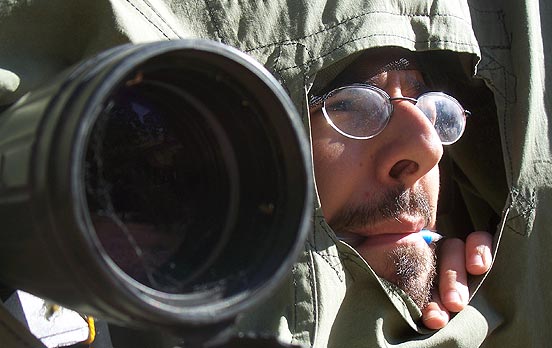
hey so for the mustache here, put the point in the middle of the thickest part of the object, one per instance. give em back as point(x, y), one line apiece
point(393, 204)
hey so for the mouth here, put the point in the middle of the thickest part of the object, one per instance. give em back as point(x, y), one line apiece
point(401, 231)
point(402, 224)
point(380, 239)
point(394, 239)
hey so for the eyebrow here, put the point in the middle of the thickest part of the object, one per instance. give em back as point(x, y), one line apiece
point(416, 85)
point(412, 84)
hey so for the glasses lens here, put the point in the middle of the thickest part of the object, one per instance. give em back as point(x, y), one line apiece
point(357, 112)
point(445, 113)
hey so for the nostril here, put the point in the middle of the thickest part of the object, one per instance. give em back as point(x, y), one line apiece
point(403, 167)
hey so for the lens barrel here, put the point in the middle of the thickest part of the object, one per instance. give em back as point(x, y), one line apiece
point(164, 184)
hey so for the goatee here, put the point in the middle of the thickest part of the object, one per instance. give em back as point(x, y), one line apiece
point(412, 268)
point(415, 271)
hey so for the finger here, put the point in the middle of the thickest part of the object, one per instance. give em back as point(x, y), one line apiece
point(435, 316)
point(453, 289)
point(478, 252)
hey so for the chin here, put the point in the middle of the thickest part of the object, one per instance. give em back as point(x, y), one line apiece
point(408, 266)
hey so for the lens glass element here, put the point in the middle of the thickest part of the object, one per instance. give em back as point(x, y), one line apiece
point(159, 186)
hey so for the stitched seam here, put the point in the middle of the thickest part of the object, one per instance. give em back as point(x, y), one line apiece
point(349, 20)
point(502, 69)
point(295, 299)
point(312, 282)
point(277, 59)
point(154, 10)
point(501, 19)
point(506, 136)
point(505, 103)
point(147, 19)
point(309, 62)
point(326, 257)
point(543, 161)
point(508, 218)
point(528, 206)
point(348, 260)
point(328, 260)
point(293, 43)
point(342, 256)
point(295, 333)
point(304, 97)
point(523, 206)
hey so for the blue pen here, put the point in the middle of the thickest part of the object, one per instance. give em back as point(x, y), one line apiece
point(430, 236)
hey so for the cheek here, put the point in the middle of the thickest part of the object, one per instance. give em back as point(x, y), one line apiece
point(330, 166)
point(339, 173)
point(328, 171)
point(430, 184)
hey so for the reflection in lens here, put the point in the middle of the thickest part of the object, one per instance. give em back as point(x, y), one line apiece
point(358, 112)
point(158, 187)
point(446, 115)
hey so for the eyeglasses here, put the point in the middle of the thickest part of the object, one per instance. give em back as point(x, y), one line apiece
point(362, 111)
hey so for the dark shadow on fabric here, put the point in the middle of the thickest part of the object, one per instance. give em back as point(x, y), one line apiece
point(473, 172)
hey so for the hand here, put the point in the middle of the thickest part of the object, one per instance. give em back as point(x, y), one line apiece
point(456, 260)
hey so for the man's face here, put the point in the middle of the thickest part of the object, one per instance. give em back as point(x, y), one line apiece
point(383, 189)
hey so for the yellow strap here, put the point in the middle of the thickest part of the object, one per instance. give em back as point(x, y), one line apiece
point(91, 330)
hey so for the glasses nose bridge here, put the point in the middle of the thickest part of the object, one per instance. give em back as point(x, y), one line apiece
point(412, 100)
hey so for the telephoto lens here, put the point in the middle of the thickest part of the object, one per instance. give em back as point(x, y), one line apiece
point(161, 185)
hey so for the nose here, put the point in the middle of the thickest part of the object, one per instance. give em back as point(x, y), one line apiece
point(410, 146)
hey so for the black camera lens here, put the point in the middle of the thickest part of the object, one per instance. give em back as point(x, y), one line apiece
point(161, 185)
point(187, 184)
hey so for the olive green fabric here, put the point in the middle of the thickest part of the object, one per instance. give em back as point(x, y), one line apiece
point(501, 168)
point(514, 37)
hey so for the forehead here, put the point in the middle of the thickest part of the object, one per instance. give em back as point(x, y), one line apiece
point(407, 79)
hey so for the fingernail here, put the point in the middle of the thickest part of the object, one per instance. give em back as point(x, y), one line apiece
point(453, 297)
point(477, 260)
point(432, 314)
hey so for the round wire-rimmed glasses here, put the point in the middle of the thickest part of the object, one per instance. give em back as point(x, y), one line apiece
point(362, 111)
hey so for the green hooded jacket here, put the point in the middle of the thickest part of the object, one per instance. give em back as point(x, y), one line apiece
point(502, 167)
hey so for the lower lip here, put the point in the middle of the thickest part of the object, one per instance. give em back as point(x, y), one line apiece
point(394, 238)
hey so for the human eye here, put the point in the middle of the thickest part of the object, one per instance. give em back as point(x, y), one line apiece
point(343, 103)
point(338, 104)
point(358, 111)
